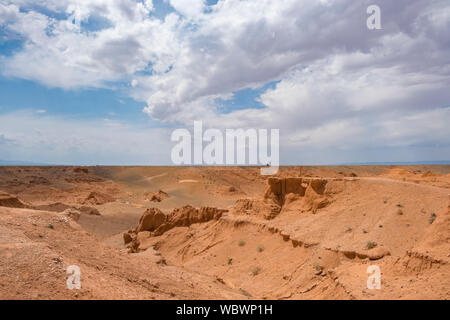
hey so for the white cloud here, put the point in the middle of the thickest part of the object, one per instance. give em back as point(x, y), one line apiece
point(63, 53)
point(189, 8)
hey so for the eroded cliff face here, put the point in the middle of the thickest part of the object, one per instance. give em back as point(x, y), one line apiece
point(306, 234)
point(278, 188)
point(314, 236)
point(154, 222)
point(307, 194)
point(435, 242)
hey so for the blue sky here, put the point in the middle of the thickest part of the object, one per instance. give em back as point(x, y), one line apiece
point(18, 94)
point(111, 101)
point(116, 77)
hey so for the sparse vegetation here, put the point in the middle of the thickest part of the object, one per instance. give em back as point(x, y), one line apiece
point(245, 292)
point(317, 266)
point(433, 217)
point(305, 260)
point(371, 245)
point(256, 271)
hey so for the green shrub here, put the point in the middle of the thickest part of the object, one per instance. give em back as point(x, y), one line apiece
point(256, 271)
point(433, 217)
point(371, 245)
point(317, 266)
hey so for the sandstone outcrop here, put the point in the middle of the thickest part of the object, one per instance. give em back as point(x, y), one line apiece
point(154, 222)
point(97, 198)
point(308, 194)
point(157, 196)
point(268, 210)
point(150, 220)
point(187, 215)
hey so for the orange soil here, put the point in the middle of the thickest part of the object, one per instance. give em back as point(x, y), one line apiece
point(306, 233)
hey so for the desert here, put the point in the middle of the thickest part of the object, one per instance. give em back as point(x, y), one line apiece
point(224, 158)
point(161, 232)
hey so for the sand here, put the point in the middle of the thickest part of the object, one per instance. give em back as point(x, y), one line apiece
point(225, 232)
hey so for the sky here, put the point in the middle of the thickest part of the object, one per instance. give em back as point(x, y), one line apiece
point(107, 81)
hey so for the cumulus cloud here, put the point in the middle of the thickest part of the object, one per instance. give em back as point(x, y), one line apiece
point(66, 53)
point(338, 83)
point(245, 44)
point(189, 8)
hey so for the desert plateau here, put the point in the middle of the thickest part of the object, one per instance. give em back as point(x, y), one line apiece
point(308, 232)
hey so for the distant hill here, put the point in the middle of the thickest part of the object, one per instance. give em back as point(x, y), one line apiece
point(443, 162)
point(20, 163)
point(404, 163)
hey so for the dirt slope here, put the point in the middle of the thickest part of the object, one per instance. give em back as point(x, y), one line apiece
point(227, 233)
point(34, 259)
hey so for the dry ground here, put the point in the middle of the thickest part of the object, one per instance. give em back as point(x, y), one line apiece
point(271, 243)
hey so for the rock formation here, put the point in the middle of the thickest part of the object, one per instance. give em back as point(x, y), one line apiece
point(97, 198)
point(280, 192)
point(154, 222)
point(157, 196)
